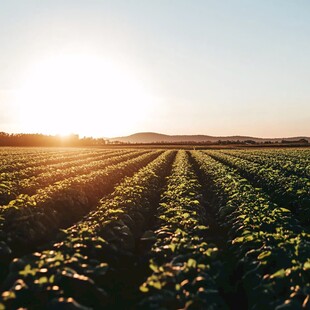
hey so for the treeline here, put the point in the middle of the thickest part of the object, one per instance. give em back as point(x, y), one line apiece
point(219, 142)
point(26, 139)
point(297, 142)
point(23, 139)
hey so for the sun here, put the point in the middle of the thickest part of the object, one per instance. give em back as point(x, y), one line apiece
point(81, 94)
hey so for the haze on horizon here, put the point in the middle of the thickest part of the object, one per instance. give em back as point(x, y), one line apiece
point(112, 68)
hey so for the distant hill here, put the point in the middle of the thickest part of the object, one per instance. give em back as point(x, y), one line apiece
point(153, 137)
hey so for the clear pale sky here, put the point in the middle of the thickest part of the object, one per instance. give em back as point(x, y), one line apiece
point(110, 68)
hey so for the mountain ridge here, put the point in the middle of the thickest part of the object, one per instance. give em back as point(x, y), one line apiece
point(154, 137)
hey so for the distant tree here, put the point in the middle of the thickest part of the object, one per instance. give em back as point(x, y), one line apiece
point(21, 139)
point(300, 141)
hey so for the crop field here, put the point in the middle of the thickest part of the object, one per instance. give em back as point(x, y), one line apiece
point(154, 229)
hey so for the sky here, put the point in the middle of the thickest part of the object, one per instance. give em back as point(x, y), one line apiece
point(113, 68)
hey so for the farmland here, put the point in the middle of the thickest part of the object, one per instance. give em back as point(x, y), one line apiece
point(154, 229)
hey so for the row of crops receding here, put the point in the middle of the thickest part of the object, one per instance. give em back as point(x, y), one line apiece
point(154, 229)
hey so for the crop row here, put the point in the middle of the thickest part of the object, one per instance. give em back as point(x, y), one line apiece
point(10, 154)
point(30, 170)
point(29, 180)
point(30, 220)
point(31, 185)
point(93, 256)
point(147, 239)
point(27, 160)
point(184, 266)
point(290, 192)
point(272, 251)
point(296, 155)
point(285, 164)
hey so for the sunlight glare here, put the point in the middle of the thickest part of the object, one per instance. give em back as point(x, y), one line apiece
point(81, 94)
